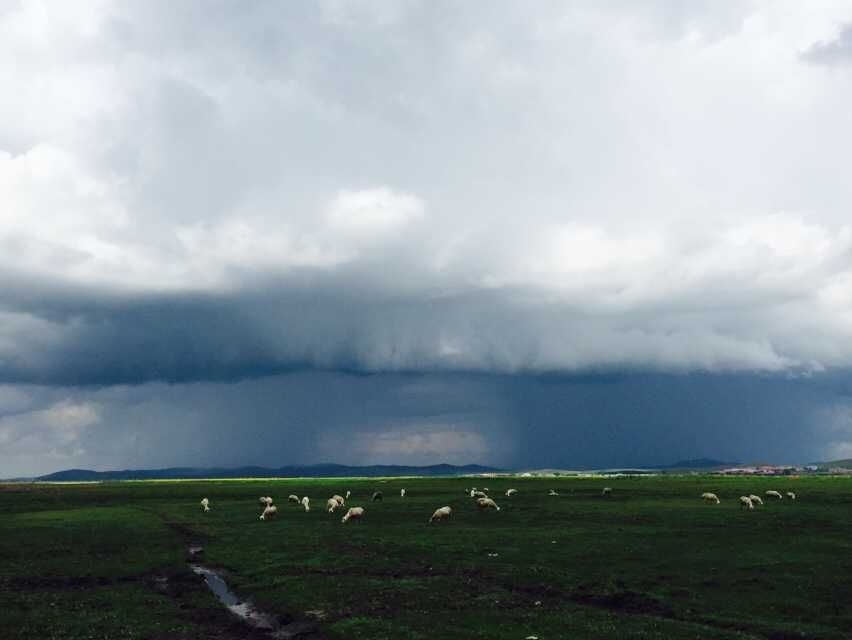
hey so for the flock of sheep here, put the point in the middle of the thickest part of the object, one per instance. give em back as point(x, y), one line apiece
point(333, 503)
point(749, 501)
point(483, 502)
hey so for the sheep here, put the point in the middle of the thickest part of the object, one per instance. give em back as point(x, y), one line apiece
point(552, 492)
point(306, 503)
point(607, 491)
point(377, 496)
point(354, 513)
point(472, 491)
point(775, 494)
point(265, 501)
point(485, 489)
point(339, 499)
point(205, 505)
point(756, 499)
point(348, 493)
point(479, 494)
point(510, 492)
point(293, 499)
point(402, 493)
point(441, 514)
point(332, 504)
point(710, 497)
point(268, 512)
point(791, 495)
point(487, 503)
point(746, 503)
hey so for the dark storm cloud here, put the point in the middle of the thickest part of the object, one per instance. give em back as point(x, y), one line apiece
point(511, 421)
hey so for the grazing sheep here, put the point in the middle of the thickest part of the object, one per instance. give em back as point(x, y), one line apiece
point(293, 499)
point(332, 504)
point(746, 503)
point(710, 497)
point(607, 491)
point(402, 493)
point(348, 493)
point(552, 493)
point(441, 514)
point(377, 496)
point(268, 512)
point(306, 503)
point(472, 491)
point(756, 499)
point(479, 494)
point(510, 492)
point(485, 489)
point(791, 495)
point(354, 513)
point(265, 501)
point(339, 499)
point(487, 503)
point(774, 494)
point(205, 505)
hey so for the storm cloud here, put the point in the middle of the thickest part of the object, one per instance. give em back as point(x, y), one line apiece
point(205, 196)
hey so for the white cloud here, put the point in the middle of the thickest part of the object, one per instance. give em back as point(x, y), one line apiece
point(372, 212)
point(54, 431)
point(412, 445)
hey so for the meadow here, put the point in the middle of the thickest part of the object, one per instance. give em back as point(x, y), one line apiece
point(109, 561)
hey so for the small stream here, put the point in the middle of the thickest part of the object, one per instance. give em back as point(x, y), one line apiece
point(244, 609)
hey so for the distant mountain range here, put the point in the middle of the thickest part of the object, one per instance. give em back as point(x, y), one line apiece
point(295, 471)
point(340, 470)
point(698, 463)
point(845, 463)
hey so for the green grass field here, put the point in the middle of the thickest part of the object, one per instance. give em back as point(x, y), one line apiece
point(651, 561)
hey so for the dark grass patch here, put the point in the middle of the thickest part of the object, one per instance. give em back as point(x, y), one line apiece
point(651, 562)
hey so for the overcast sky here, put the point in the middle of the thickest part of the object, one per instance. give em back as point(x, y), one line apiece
point(548, 234)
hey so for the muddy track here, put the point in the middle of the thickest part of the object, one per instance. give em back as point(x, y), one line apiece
point(226, 626)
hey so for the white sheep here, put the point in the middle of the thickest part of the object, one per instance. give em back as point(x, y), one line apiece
point(606, 491)
point(791, 495)
point(354, 513)
point(479, 494)
point(348, 493)
point(710, 497)
point(487, 503)
point(205, 505)
point(746, 503)
point(306, 503)
point(339, 499)
point(756, 499)
point(265, 501)
point(441, 514)
point(402, 493)
point(268, 512)
point(293, 499)
point(332, 504)
point(510, 492)
point(552, 492)
point(774, 494)
point(472, 491)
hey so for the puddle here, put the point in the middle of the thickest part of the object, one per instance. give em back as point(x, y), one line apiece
point(244, 609)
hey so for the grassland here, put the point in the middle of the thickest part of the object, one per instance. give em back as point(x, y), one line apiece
point(652, 561)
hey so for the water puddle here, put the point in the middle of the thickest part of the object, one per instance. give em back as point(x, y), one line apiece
point(244, 609)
